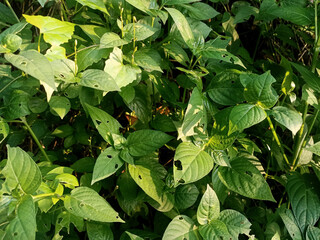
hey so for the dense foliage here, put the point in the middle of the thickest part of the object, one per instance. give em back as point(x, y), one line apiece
point(171, 119)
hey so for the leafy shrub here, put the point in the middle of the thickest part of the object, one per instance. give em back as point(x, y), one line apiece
point(177, 119)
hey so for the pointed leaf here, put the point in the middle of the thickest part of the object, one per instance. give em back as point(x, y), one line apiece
point(138, 31)
point(54, 31)
point(288, 118)
point(87, 203)
point(190, 163)
point(143, 142)
point(181, 227)
point(98, 79)
point(244, 178)
point(21, 169)
point(215, 230)
point(313, 233)
point(244, 116)
point(209, 207)
point(309, 77)
point(315, 148)
point(258, 89)
point(60, 105)
point(107, 163)
point(290, 223)
point(98, 231)
point(94, 4)
point(186, 196)
point(149, 59)
point(24, 225)
point(111, 40)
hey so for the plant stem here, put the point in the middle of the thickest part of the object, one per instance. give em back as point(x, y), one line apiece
point(316, 39)
point(9, 83)
point(24, 121)
point(276, 138)
point(14, 14)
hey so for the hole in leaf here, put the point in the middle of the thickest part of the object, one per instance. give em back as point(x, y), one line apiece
point(180, 218)
point(66, 94)
point(15, 234)
point(249, 173)
point(109, 156)
point(184, 238)
point(81, 204)
point(140, 177)
point(107, 121)
point(242, 222)
point(178, 165)
point(220, 61)
point(224, 55)
point(232, 81)
point(231, 60)
point(182, 181)
point(20, 104)
point(117, 216)
point(98, 122)
point(23, 63)
point(61, 75)
point(116, 166)
point(96, 85)
point(70, 208)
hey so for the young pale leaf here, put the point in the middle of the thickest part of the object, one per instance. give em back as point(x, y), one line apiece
point(181, 227)
point(244, 178)
point(288, 118)
point(236, 223)
point(111, 40)
point(87, 203)
point(60, 105)
point(209, 207)
point(122, 74)
point(186, 196)
point(99, 231)
point(98, 79)
point(315, 148)
point(190, 163)
point(24, 225)
point(21, 170)
point(290, 223)
point(54, 31)
point(148, 179)
point(183, 26)
point(94, 4)
point(107, 163)
point(143, 142)
point(36, 65)
point(104, 123)
point(243, 116)
point(195, 113)
point(4, 130)
point(258, 89)
point(304, 199)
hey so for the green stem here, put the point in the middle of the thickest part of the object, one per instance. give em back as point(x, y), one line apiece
point(44, 195)
point(276, 138)
point(14, 14)
point(9, 83)
point(24, 121)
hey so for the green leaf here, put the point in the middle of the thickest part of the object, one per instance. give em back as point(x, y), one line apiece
point(24, 225)
point(98, 79)
point(37, 105)
point(65, 70)
point(99, 231)
point(68, 180)
point(87, 203)
point(302, 15)
point(107, 164)
point(190, 163)
point(186, 196)
point(10, 43)
point(86, 57)
point(290, 223)
point(288, 118)
point(146, 175)
point(143, 142)
point(60, 105)
point(183, 26)
point(243, 11)
point(4, 130)
point(258, 89)
point(236, 223)
point(304, 199)
point(313, 233)
point(226, 89)
point(244, 116)
point(6, 15)
point(215, 230)
point(104, 123)
point(209, 207)
point(177, 52)
point(138, 31)
point(54, 31)
point(309, 77)
point(111, 40)
point(63, 221)
point(244, 178)
point(220, 139)
point(315, 148)
point(176, 2)
point(94, 4)
point(181, 227)
point(201, 11)
point(195, 114)
point(30, 62)
point(21, 170)
point(149, 59)
point(17, 105)
point(122, 74)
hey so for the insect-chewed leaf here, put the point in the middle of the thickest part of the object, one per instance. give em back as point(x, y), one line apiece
point(181, 227)
point(21, 170)
point(87, 203)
